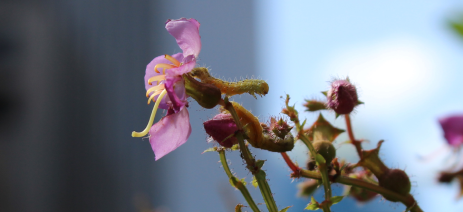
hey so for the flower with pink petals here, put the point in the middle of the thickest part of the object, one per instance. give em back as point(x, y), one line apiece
point(453, 129)
point(164, 76)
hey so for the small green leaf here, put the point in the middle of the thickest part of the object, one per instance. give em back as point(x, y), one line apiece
point(360, 102)
point(285, 209)
point(213, 149)
point(260, 163)
point(325, 93)
point(336, 199)
point(319, 158)
point(313, 205)
point(243, 181)
point(238, 208)
point(254, 182)
point(235, 147)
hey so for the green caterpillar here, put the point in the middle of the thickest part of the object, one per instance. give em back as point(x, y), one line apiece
point(251, 86)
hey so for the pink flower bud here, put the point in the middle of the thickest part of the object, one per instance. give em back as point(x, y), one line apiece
point(220, 127)
point(453, 129)
point(342, 97)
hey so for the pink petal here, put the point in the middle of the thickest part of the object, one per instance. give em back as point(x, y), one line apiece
point(169, 133)
point(151, 73)
point(186, 32)
point(453, 129)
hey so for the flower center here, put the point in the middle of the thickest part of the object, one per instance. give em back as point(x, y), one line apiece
point(155, 90)
point(159, 89)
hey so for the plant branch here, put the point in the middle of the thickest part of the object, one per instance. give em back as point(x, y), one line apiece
point(250, 161)
point(407, 200)
point(236, 182)
point(350, 132)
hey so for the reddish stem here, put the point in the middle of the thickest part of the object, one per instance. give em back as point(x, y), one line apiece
point(350, 132)
point(292, 166)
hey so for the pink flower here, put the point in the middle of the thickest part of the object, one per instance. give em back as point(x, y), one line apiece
point(453, 129)
point(166, 71)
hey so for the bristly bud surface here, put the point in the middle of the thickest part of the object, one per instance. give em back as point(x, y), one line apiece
point(342, 97)
point(280, 127)
point(222, 128)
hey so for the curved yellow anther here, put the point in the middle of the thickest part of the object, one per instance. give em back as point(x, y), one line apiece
point(153, 95)
point(150, 122)
point(154, 88)
point(163, 66)
point(173, 60)
point(156, 78)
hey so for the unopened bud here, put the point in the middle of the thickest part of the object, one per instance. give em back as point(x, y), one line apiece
point(361, 195)
point(280, 127)
point(307, 188)
point(326, 149)
point(222, 128)
point(207, 95)
point(395, 180)
point(342, 97)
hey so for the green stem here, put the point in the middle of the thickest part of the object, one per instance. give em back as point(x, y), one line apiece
point(250, 161)
point(326, 185)
point(303, 137)
point(237, 183)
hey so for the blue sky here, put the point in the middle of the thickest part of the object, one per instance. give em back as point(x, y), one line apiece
point(404, 60)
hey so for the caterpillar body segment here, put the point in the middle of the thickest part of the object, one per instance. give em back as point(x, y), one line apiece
point(250, 86)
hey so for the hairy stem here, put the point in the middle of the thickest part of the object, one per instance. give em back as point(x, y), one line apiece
point(237, 183)
point(407, 200)
point(350, 132)
point(250, 161)
point(326, 185)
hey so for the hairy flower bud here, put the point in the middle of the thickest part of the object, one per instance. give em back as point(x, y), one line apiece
point(342, 97)
point(220, 127)
point(280, 127)
point(395, 180)
point(326, 149)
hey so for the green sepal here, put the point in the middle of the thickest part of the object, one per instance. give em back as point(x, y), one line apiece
point(325, 93)
point(260, 163)
point(314, 105)
point(212, 149)
point(323, 130)
point(285, 209)
point(319, 158)
point(360, 102)
point(313, 205)
point(254, 182)
point(336, 199)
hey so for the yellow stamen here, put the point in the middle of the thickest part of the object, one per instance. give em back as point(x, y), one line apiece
point(153, 95)
point(173, 60)
point(154, 88)
point(156, 78)
point(163, 66)
point(153, 114)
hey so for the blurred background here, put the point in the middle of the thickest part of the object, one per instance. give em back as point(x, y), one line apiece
point(72, 91)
